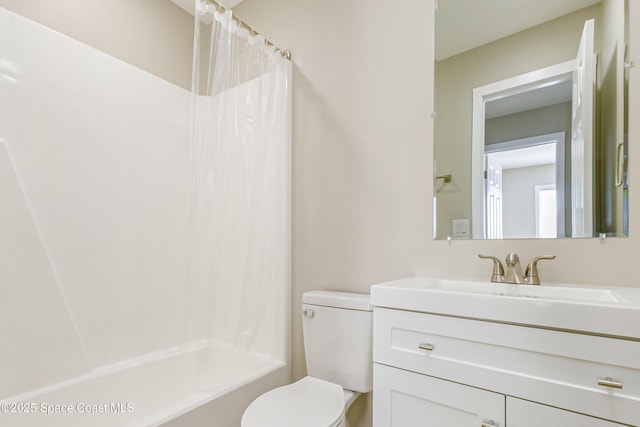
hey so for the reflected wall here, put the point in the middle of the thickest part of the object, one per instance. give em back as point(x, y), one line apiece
point(456, 77)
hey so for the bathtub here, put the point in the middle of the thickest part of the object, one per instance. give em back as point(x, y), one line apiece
point(153, 390)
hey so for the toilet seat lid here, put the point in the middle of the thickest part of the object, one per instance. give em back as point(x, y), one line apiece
point(310, 402)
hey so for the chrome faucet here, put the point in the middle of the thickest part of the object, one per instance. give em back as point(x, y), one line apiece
point(513, 272)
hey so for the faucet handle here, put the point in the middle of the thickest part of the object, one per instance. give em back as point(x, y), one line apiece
point(497, 275)
point(531, 272)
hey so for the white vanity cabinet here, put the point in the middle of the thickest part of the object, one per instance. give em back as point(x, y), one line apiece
point(453, 371)
point(406, 399)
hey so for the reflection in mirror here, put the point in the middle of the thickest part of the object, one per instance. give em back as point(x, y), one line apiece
point(536, 163)
point(530, 119)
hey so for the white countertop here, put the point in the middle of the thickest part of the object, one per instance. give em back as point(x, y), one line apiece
point(603, 311)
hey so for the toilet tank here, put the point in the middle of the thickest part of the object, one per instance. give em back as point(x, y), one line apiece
point(337, 328)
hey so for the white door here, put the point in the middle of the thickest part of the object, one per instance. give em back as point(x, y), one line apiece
point(406, 399)
point(493, 202)
point(522, 413)
point(584, 78)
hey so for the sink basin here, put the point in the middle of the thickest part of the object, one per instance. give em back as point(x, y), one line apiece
point(525, 291)
point(602, 311)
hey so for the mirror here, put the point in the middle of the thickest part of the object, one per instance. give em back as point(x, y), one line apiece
point(530, 119)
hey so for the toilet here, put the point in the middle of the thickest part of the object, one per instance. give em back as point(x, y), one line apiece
point(337, 329)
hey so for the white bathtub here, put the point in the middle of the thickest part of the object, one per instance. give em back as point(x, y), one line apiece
point(152, 390)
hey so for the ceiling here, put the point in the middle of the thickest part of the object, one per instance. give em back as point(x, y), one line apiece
point(526, 157)
point(462, 25)
point(543, 96)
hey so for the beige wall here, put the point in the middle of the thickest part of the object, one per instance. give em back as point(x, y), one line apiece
point(361, 142)
point(154, 35)
point(456, 77)
point(363, 94)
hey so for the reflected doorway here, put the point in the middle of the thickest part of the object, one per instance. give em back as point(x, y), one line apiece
point(525, 181)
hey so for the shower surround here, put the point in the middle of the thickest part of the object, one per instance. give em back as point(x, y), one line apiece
point(116, 300)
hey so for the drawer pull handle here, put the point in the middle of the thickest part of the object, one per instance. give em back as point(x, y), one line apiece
point(426, 346)
point(608, 382)
point(489, 423)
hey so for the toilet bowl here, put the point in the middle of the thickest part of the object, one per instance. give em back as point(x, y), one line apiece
point(310, 402)
point(337, 328)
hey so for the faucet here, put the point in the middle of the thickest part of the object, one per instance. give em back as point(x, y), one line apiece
point(513, 273)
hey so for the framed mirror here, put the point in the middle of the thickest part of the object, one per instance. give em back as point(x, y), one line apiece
point(530, 119)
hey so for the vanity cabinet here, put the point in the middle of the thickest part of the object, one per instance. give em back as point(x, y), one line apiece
point(406, 399)
point(452, 371)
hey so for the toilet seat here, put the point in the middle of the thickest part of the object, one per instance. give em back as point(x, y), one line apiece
point(310, 402)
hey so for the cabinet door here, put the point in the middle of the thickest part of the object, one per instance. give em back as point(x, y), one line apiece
point(406, 399)
point(522, 413)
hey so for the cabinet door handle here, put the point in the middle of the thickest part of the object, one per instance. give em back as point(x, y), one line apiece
point(426, 346)
point(609, 382)
point(489, 423)
point(619, 164)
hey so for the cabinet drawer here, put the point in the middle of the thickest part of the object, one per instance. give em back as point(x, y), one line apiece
point(522, 413)
point(557, 368)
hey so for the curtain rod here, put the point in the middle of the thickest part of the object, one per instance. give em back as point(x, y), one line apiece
point(284, 52)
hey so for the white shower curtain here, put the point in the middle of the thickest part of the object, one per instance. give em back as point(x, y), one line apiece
point(239, 282)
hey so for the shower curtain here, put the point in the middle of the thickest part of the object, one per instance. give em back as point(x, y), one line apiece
point(239, 275)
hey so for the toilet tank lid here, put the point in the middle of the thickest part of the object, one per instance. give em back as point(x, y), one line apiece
point(347, 300)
